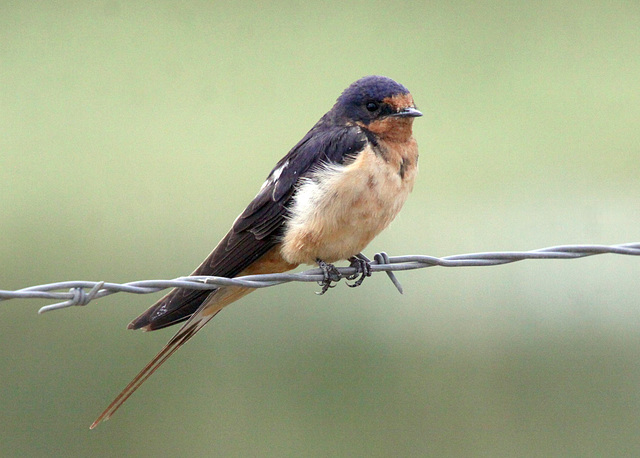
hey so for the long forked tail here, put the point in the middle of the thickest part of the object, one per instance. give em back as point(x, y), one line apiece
point(215, 301)
point(186, 332)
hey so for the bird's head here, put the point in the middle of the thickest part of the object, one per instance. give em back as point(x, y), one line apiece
point(378, 104)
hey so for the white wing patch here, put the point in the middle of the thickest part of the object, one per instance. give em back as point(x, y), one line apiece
point(275, 175)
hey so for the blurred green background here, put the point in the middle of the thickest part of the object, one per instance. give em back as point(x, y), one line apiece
point(133, 133)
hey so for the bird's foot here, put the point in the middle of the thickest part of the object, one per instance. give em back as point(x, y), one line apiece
point(363, 268)
point(330, 273)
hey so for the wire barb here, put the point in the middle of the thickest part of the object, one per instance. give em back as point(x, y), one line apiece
point(76, 295)
point(383, 258)
point(80, 297)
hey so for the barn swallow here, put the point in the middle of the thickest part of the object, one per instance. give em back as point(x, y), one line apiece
point(342, 184)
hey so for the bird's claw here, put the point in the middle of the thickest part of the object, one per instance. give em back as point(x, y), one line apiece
point(330, 274)
point(363, 268)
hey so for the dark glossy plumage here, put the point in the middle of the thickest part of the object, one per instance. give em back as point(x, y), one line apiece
point(351, 105)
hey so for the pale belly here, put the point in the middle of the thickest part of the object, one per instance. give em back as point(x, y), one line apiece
point(338, 213)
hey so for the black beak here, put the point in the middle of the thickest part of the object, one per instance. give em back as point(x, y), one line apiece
point(408, 112)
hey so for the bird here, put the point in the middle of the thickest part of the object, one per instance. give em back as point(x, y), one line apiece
point(323, 202)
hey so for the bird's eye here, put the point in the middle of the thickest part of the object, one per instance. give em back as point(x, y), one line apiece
point(372, 106)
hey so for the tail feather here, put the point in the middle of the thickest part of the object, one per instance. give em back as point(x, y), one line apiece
point(186, 332)
point(180, 305)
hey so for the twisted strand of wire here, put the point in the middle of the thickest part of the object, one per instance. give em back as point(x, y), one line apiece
point(77, 294)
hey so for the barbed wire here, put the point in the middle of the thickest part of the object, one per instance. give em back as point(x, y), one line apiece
point(78, 294)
